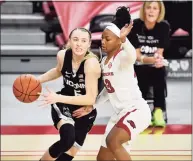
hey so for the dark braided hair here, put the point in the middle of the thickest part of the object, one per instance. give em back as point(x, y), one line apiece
point(122, 16)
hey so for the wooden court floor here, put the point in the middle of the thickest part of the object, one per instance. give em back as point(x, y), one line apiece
point(30, 142)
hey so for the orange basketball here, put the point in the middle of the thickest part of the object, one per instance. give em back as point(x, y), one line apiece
point(26, 88)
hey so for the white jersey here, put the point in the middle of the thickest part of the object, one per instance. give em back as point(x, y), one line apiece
point(120, 80)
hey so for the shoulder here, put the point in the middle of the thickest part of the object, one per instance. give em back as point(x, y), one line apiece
point(137, 26)
point(164, 25)
point(92, 65)
point(137, 22)
point(61, 54)
point(60, 58)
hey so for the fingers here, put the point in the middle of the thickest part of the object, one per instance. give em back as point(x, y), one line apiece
point(79, 111)
point(48, 89)
point(159, 65)
point(43, 104)
point(41, 94)
point(78, 115)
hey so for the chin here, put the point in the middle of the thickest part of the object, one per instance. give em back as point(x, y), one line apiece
point(79, 53)
point(151, 20)
point(104, 50)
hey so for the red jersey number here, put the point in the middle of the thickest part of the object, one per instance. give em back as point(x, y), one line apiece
point(108, 86)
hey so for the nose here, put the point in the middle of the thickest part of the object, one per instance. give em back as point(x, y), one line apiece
point(78, 43)
point(103, 42)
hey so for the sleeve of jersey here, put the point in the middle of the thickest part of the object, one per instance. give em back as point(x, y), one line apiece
point(102, 97)
point(129, 52)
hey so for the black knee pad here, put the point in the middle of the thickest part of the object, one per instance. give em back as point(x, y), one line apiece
point(67, 138)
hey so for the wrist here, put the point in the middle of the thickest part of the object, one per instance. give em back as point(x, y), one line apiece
point(60, 98)
point(142, 58)
point(40, 79)
point(123, 40)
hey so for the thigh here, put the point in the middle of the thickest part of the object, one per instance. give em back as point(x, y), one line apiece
point(118, 136)
point(111, 123)
point(135, 121)
point(61, 115)
point(82, 126)
point(104, 154)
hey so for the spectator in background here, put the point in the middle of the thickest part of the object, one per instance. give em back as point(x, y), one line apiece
point(150, 37)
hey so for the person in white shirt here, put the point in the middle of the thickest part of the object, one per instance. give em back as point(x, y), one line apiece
point(132, 113)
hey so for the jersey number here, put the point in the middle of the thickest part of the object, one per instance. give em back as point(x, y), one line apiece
point(77, 93)
point(108, 86)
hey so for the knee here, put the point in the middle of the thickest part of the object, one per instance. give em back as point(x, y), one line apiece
point(67, 137)
point(113, 143)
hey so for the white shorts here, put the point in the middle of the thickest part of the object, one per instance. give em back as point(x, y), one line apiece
point(136, 121)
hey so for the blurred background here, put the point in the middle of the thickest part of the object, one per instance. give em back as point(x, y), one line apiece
point(32, 32)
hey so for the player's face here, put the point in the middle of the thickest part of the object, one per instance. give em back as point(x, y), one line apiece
point(152, 12)
point(80, 42)
point(110, 42)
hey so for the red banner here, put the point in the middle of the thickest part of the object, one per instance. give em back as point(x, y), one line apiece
point(79, 14)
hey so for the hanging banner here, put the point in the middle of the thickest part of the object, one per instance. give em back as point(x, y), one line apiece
point(79, 14)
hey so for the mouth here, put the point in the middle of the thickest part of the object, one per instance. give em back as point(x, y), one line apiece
point(151, 16)
point(78, 49)
point(103, 48)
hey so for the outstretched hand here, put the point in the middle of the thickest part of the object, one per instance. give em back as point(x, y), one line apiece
point(48, 98)
point(125, 31)
point(82, 111)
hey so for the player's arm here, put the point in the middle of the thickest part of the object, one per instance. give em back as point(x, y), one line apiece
point(102, 97)
point(53, 73)
point(92, 74)
point(129, 54)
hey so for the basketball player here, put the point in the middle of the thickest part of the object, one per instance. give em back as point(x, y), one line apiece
point(132, 113)
point(81, 71)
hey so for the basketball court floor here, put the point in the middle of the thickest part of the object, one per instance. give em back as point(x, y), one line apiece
point(27, 131)
point(29, 143)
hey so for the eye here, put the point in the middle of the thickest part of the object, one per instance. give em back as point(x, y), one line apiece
point(75, 39)
point(148, 7)
point(84, 41)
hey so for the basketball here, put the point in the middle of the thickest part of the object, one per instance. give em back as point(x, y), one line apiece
point(26, 88)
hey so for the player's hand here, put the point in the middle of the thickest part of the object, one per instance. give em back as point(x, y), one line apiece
point(125, 31)
point(159, 60)
point(48, 98)
point(82, 111)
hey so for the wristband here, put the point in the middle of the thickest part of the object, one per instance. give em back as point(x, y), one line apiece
point(141, 58)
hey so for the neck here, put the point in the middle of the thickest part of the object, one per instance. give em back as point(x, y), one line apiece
point(112, 53)
point(77, 58)
point(150, 25)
